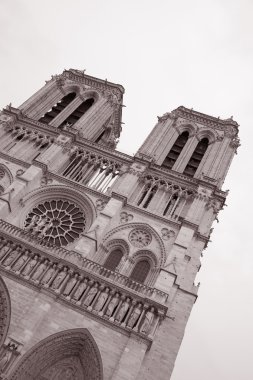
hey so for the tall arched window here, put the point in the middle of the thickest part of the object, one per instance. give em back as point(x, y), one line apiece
point(196, 157)
point(140, 271)
point(57, 108)
point(175, 150)
point(113, 259)
point(78, 113)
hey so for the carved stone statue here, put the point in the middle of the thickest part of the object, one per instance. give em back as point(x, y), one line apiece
point(4, 360)
point(45, 228)
point(59, 278)
point(91, 295)
point(148, 319)
point(70, 285)
point(40, 224)
point(134, 316)
point(45, 279)
point(5, 248)
point(79, 291)
point(11, 257)
point(112, 305)
point(31, 264)
point(32, 223)
point(22, 259)
point(101, 300)
point(41, 268)
point(123, 310)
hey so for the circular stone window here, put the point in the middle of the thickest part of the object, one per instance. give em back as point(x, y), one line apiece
point(140, 238)
point(59, 222)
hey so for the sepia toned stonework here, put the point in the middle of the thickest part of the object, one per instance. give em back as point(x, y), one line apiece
point(99, 250)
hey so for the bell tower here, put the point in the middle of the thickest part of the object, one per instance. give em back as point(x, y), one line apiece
point(99, 251)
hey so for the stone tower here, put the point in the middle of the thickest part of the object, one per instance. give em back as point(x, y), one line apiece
point(99, 250)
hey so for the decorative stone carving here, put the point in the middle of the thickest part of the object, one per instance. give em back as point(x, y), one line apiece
point(12, 256)
point(140, 238)
point(100, 204)
point(57, 221)
point(59, 278)
point(148, 319)
point(125, 217)
point(80, 290)
point(101, 300)
point(29, 267)
point(70, 285)
point(41, 268)
point(21, 261)
point(112, 305)
point(123, 310)
point(90, 295)
point(134, 316)
point(167, 234)
point(49, 274)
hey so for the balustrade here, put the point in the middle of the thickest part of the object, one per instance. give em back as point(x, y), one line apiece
point(83, 290)
point(92, 170)
point(162, 197)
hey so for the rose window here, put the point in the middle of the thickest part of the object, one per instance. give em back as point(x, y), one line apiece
point(59, 222)
point(140, 238)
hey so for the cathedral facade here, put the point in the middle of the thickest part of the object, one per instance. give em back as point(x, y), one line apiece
point(99, 250)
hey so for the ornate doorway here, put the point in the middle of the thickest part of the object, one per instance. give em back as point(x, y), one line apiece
point(68, 355)
point(5, 311)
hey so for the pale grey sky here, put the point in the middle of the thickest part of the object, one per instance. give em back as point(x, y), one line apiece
point(195, 53)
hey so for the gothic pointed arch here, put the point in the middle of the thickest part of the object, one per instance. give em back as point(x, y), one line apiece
point(6, 177)
point(71, 354)
point(5, 311)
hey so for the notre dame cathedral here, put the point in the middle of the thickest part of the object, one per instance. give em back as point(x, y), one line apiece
point(99, 250)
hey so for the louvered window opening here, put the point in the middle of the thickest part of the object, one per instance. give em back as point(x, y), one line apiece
point(78, 113)
point(58, 108)
point(175, 150)
point(196, 158)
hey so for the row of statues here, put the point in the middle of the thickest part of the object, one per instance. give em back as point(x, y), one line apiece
point(82, 291)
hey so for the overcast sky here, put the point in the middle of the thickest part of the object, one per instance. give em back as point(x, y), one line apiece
point(165, 53)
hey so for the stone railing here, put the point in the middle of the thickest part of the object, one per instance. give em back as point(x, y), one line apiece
point(82, 289)
point(43, 247)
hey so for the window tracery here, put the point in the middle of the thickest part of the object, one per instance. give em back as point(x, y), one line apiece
point(59, 222)
point(113, 259)
point(140, 238)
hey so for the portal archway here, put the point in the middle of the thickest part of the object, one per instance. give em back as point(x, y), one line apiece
point(5, 311)
point(67, 355)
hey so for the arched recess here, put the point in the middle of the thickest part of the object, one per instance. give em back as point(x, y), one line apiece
point(71, 354)
point(144, 267)
point(6, 177)
point(117, 249)
point(5, 311)
point(157, 245)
